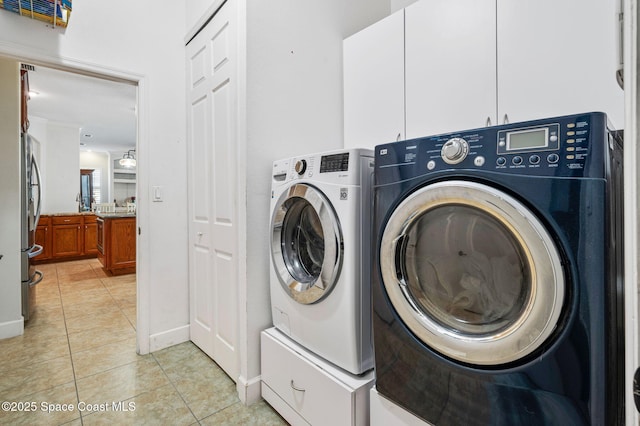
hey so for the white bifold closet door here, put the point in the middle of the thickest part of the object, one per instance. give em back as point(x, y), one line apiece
point(213, 218)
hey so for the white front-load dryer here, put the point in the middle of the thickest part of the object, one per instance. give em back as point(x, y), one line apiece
point(320, 251)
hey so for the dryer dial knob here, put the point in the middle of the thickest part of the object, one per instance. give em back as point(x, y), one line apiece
point(454, 150)
point(301, 167)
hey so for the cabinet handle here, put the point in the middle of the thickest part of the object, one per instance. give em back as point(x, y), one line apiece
point(67, 220)
point(506, 119)
point(488, 122)
point(199, 234)
point(295, 388)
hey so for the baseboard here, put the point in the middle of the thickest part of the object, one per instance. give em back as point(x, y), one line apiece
point(168, 338)
point(249, 390)
point(12, 328)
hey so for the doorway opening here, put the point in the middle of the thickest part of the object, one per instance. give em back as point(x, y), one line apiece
point(84, 124)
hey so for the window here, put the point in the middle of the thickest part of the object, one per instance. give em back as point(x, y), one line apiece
point(97, 180)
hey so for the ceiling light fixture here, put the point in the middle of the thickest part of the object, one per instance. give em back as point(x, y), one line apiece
point(128, 159)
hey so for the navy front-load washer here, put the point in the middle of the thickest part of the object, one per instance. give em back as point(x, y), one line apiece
point(497, 281)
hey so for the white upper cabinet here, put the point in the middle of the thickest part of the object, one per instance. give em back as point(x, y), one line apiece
point(450, 65)
point(557, 58)
point(374, 84)
point(469, 63)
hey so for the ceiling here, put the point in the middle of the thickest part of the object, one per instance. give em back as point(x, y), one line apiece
point(104, 110)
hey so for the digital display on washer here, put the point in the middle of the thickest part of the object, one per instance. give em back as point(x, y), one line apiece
point(527, 139)
point(334, 163)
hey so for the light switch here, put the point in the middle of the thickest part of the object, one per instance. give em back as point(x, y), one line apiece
point(156, 194)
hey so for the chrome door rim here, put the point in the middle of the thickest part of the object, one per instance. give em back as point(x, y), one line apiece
point(538, 320)
point(315, 290)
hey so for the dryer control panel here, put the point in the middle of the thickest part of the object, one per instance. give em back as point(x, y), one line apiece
point(569, 146)
point(339, 167)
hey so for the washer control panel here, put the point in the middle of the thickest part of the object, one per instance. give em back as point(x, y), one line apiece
point(340, 167)
point(454, 150)
point(561, 146)
point(300, 167)
point(528, 145)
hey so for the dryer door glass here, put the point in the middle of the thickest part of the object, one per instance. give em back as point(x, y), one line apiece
point(306, 244)
point(303, 241)
point(466, 270)
point(472, 272)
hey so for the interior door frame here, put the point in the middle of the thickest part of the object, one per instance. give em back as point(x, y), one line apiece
point(630, 47)
point(142, 150)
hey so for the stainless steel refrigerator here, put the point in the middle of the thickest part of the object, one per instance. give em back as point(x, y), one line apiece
point(30, 207)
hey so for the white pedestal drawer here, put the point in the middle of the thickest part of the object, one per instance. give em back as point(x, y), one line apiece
point(305, 389)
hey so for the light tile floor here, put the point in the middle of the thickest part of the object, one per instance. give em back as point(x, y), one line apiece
point(76, 363)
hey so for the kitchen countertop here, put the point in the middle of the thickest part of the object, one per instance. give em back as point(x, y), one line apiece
point(69, 214)
point(114, 215)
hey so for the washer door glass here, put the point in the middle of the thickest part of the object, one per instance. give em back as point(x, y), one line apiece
point(472, 272)
point(306, 244)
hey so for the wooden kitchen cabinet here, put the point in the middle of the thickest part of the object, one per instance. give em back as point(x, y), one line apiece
point(90, 235)
point(100, 236)
point(67, 236)
point(116, 243)
point(43, 238)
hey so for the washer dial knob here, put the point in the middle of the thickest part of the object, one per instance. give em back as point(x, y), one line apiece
point(300, 167)
point(454, 150)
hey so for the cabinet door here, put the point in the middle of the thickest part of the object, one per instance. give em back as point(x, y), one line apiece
point(557, 58)
point(43, 238)
point(100, 235)
point(122, 243)
point(450, 65)
point(374, 84)
point(91, 238)
point(67, 240)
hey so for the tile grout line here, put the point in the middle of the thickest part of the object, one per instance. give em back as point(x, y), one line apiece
point(175, 388)
point(73, 369)
point(64, 317)
point(118, 304)
point(102, 283)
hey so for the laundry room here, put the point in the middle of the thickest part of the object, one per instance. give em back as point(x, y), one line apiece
point(417, 212)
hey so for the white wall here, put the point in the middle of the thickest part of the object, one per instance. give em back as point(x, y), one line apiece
point(60, 160)
point(11, 323)
point(293, 106)
point(400, 4)
point(290, 90)
point(61, 175)
point(121, 39)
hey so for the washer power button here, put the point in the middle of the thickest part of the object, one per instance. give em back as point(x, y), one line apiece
point(454, 150)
